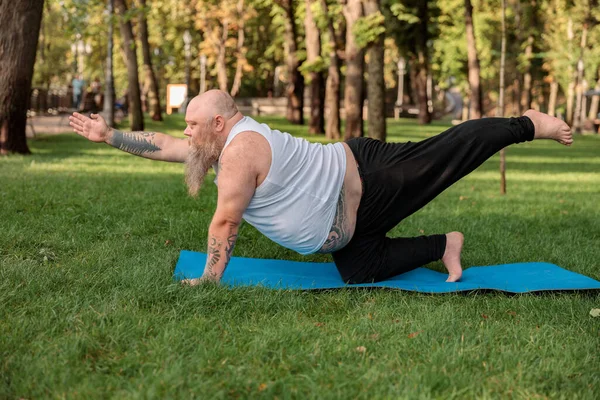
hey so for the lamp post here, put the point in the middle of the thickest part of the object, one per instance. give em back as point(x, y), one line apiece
point(109, 86)
point(187, 41)
point(400, 99)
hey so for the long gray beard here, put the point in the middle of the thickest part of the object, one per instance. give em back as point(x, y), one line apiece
point(199, 160)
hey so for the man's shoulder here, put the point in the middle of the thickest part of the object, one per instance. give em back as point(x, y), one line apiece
point(248, 143)
point(249, 151)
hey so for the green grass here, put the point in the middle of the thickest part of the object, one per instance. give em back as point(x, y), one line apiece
point(88, 309)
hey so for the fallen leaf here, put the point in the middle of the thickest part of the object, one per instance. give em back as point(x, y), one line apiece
point(421, 230)
point(370, 316)
point(375, 336)
point(167, 242)
point(414, 334)
point(595, 312)
point(511, 313)
point(361, 349)
point(319, 324)
point(484, 316)
point(461, 198)
point(262, 387)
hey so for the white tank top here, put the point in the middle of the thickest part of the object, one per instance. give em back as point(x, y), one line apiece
point(296, 203)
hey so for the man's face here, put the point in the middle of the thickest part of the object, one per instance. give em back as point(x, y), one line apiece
point(202, 154)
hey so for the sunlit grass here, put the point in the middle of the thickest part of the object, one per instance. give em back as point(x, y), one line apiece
point(88, 308)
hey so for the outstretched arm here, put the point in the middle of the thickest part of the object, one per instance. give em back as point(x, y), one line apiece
point(153, 145)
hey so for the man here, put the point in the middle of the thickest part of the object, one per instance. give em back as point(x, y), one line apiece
point(78, 84)
point(339, 198)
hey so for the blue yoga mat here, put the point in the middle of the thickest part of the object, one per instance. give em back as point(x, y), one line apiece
point(281, 274)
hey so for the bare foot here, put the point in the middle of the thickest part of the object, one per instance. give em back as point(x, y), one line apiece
point(547, 127)
point(451, 258)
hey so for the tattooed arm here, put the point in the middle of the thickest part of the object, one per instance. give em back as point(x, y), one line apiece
point(156, 146)
point(153, 145)
point(221, 240)
point(236, 185)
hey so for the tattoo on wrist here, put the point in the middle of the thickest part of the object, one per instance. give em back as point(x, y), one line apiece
point(134, 142)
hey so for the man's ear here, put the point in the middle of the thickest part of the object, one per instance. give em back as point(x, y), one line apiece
point(219, 123)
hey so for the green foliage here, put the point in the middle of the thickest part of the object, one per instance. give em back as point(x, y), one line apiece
point(405, 13)
point(367, 29)
point(317, 65)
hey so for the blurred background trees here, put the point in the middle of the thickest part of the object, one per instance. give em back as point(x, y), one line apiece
point(350, 59)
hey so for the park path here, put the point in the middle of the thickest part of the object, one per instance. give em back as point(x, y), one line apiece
point(48, 124)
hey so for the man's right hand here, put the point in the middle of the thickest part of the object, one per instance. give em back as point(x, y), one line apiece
point(94, 128)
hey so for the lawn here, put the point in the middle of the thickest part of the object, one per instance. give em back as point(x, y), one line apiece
point(88, 308)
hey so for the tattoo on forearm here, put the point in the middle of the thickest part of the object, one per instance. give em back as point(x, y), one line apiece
point(230, 245)
point(134, 142)
point(214, 255)
point(338, 236)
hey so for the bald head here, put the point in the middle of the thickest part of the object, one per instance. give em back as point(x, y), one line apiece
point(212, 103)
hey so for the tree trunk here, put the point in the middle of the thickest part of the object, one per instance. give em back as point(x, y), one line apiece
point(295, 85)
point(20, 22)
point(572, 74)
point(355, 65)
point(526, 92)
point(241, 52)
point(332, 90)
point(476, 100)
point(376, 82)
point(500, 110)
point(316, 122)
point(552, 99)
point(577, 121)
point(151, 87)
point(109, 86)
point(593, 113)
point(419, 65)
point(221, 63)
point(136, 118)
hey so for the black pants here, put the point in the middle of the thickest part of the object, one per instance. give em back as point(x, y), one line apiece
point(400, 178)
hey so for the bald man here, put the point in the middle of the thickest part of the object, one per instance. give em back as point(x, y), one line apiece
point(339, 198)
